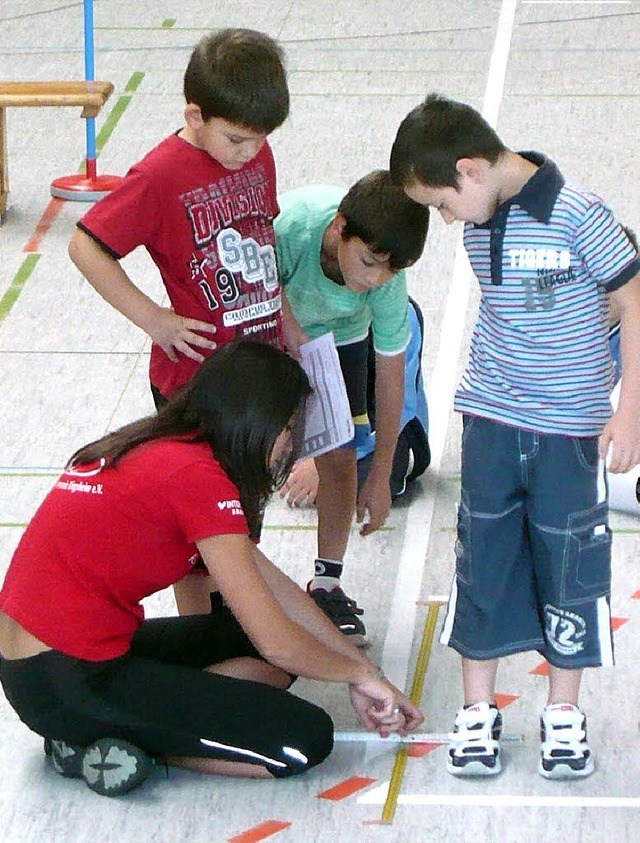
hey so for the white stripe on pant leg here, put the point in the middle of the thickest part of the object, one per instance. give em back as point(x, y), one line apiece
point(604, 632)
point(602, 482)
point(445, 635)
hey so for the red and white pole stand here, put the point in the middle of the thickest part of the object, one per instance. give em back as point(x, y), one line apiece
point(87, 187)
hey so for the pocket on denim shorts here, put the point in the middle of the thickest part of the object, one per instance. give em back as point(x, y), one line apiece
point(587, 451)
point(587, 563)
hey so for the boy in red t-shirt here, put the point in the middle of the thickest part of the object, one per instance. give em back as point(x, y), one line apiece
point(202, 203)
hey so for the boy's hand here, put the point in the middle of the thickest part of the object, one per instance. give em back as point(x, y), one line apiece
point(620, 442)
point(301, 486)
point(174, 333)
point(374, 497)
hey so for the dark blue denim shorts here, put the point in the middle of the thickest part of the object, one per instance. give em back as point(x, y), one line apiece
point(533, 549)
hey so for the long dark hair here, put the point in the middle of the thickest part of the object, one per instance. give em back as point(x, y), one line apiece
point(239, 401)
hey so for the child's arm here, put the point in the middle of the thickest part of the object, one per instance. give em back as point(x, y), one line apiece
point(172, 332)
point(292, 334)
point(622, 433)
point(375, 495)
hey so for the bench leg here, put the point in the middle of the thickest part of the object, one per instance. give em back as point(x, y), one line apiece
point(4, 171)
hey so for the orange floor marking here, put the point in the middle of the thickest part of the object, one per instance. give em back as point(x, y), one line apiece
point(419, 750)
point(503, 700)
point(259, 832)
point(616, 623)
point(46, 220)
point(541, 670)
point(636, 595)
point(345, 788)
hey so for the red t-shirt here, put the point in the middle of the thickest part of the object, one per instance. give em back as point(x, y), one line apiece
point(104, 538)
point(209, 231)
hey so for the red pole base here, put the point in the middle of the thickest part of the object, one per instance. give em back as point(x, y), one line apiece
point(81, 188)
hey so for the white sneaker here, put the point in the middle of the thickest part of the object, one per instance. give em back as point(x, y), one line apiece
point(565, 753)
point(474, 748)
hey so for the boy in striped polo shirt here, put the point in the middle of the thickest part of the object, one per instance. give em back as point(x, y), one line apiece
point(341, 257)
point(533, 545)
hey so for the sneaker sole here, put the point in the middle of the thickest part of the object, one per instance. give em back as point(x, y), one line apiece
point(112, 768)
point(474, 769)
point(563, 772)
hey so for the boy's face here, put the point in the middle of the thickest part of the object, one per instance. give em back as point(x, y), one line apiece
point(230, 144)
point(362, 269)
point(474, 199)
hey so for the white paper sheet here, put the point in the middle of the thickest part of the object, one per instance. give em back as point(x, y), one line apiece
point(328, 423)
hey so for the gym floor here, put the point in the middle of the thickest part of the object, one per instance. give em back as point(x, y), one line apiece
point(561, 77)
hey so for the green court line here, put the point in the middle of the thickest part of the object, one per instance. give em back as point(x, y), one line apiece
point(134, 82)
point(17, 284)
point(30, 473)
point(309, 527)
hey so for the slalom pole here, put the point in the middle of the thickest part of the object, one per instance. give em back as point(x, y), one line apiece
point(90, 186)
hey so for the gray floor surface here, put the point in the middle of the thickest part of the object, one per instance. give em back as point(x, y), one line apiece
point(561, 77)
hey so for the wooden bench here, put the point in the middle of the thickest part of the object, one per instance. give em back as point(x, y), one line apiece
point(90, 96)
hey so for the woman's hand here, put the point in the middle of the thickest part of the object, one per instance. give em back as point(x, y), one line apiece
point(383, 708)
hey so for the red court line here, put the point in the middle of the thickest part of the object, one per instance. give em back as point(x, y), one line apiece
point(50, 213)
point(616, 623)
point(541, 670)
point(503, 700)
point(346, 788)
point(259, 832)
point(419, 750)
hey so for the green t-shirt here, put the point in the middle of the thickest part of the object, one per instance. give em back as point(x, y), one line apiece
point(319, 304)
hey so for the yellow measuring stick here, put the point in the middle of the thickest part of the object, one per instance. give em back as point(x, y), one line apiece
point(415, 695)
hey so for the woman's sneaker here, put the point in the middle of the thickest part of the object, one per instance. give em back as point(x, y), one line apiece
point(65, 757)
point(565, 753)
point(474, 748)
point(111, 766)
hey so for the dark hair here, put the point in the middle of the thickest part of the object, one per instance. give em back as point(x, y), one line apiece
point(383, 217)
point(239, 76)
point(239, 401)
point(435, 136)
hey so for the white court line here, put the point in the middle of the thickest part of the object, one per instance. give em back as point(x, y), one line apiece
point(377, 796)
point(576, 2)
point(402, 616)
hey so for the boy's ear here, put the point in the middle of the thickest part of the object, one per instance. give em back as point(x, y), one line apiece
point(338, 223)
point(193, 116)
point(472, 168)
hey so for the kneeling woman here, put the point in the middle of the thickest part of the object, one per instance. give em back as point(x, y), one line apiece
point(130, 516)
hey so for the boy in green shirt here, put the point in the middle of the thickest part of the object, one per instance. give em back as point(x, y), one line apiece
point(340, 261)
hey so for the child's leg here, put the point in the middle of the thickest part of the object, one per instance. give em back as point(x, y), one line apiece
point(479, 680)
point(564, 685)
point(336, 501)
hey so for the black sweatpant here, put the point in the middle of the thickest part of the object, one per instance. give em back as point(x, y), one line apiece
point(158, 697)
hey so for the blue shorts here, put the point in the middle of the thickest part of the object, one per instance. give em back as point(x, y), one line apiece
point(533, 551)
point(354, 364)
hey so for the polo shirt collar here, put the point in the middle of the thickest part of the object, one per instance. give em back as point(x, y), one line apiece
point(537, 197)
point(539, 194)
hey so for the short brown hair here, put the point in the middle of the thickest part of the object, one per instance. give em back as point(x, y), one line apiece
point(239, 76)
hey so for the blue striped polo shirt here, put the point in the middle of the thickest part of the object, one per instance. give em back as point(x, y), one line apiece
point(539, 356)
